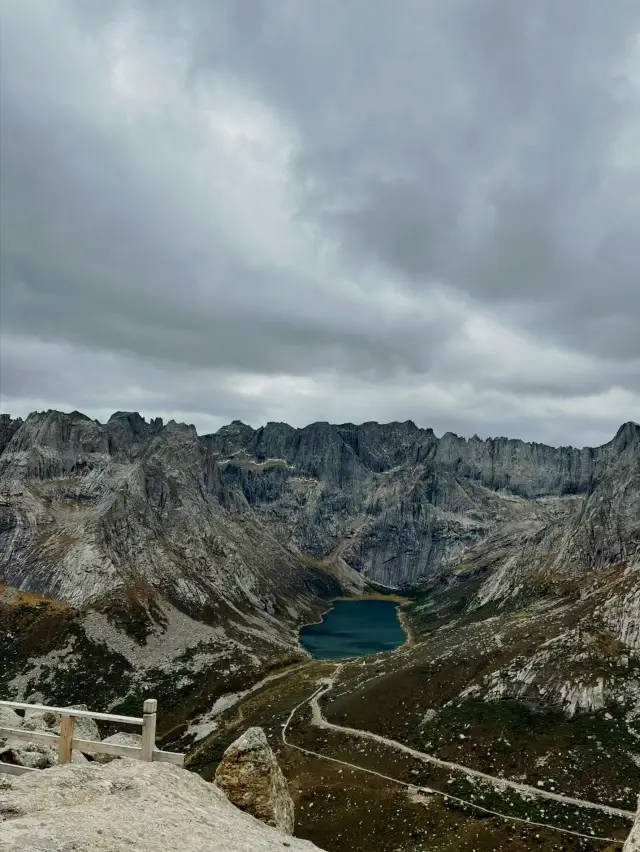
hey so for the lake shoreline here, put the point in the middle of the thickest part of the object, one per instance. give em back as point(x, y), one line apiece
point(370, 596)
point(403, 618)
point(373, 596)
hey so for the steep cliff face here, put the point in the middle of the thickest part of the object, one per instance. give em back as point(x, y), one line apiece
point(347, 453)
point(571, 537)
point(401, 505)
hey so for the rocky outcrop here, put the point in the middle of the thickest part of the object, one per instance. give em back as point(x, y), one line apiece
point(128, 806)
point(633, 841)
point(251, 779)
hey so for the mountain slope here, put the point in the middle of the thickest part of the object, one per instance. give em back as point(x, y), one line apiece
point(172, 552)
point(123, 524)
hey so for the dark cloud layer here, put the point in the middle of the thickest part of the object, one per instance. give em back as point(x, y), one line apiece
point(292, 210)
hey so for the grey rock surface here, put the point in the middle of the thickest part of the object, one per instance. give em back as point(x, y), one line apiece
point(9, 718)
point(129, 806)
point(35, 755)
point(45, 720)
point(120, 738)
point(632, 843)
point(250, 777)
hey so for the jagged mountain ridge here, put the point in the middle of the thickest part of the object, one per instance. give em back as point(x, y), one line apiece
point(401, 505)
point(88, 508)
point(393, 501)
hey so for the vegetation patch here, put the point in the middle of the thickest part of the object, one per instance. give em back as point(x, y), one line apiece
point(133, 610)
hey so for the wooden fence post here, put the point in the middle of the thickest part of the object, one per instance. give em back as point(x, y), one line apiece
point(65, 746)
point(149, 710)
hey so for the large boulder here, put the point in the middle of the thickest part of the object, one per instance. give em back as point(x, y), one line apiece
point(9, 718)
point(251, 779)
point(41, 720)
point(85, 728)
point(121, 738)
point(31, 755)
point(45, 720)
point(34, 755)
point(128, 806)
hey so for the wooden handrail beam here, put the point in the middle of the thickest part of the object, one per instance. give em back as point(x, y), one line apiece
point(41, 737)
point(68, 711)
point(92, 746)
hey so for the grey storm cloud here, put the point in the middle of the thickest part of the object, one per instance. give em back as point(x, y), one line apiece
point(284, 209)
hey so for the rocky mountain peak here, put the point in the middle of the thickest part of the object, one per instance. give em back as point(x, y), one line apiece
point(184, 428)
point(397, 502)
point(627, 435)
point(8, 428)
point(126, 429)
point(135, 420)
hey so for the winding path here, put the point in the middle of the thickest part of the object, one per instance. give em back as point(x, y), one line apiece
point(318, 720)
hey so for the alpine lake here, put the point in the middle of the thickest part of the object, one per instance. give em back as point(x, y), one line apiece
point(354, 628)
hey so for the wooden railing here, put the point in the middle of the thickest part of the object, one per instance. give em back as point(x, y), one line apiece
point(66, 741)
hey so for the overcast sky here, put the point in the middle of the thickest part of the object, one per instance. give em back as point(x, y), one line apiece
point(339, 210)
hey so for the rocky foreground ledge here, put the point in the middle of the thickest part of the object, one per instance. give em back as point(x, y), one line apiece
point(128, 806)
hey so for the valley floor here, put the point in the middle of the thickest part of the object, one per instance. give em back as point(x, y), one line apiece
point(518, 766)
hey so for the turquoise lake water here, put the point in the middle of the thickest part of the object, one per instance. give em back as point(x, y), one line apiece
point(354, 629)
